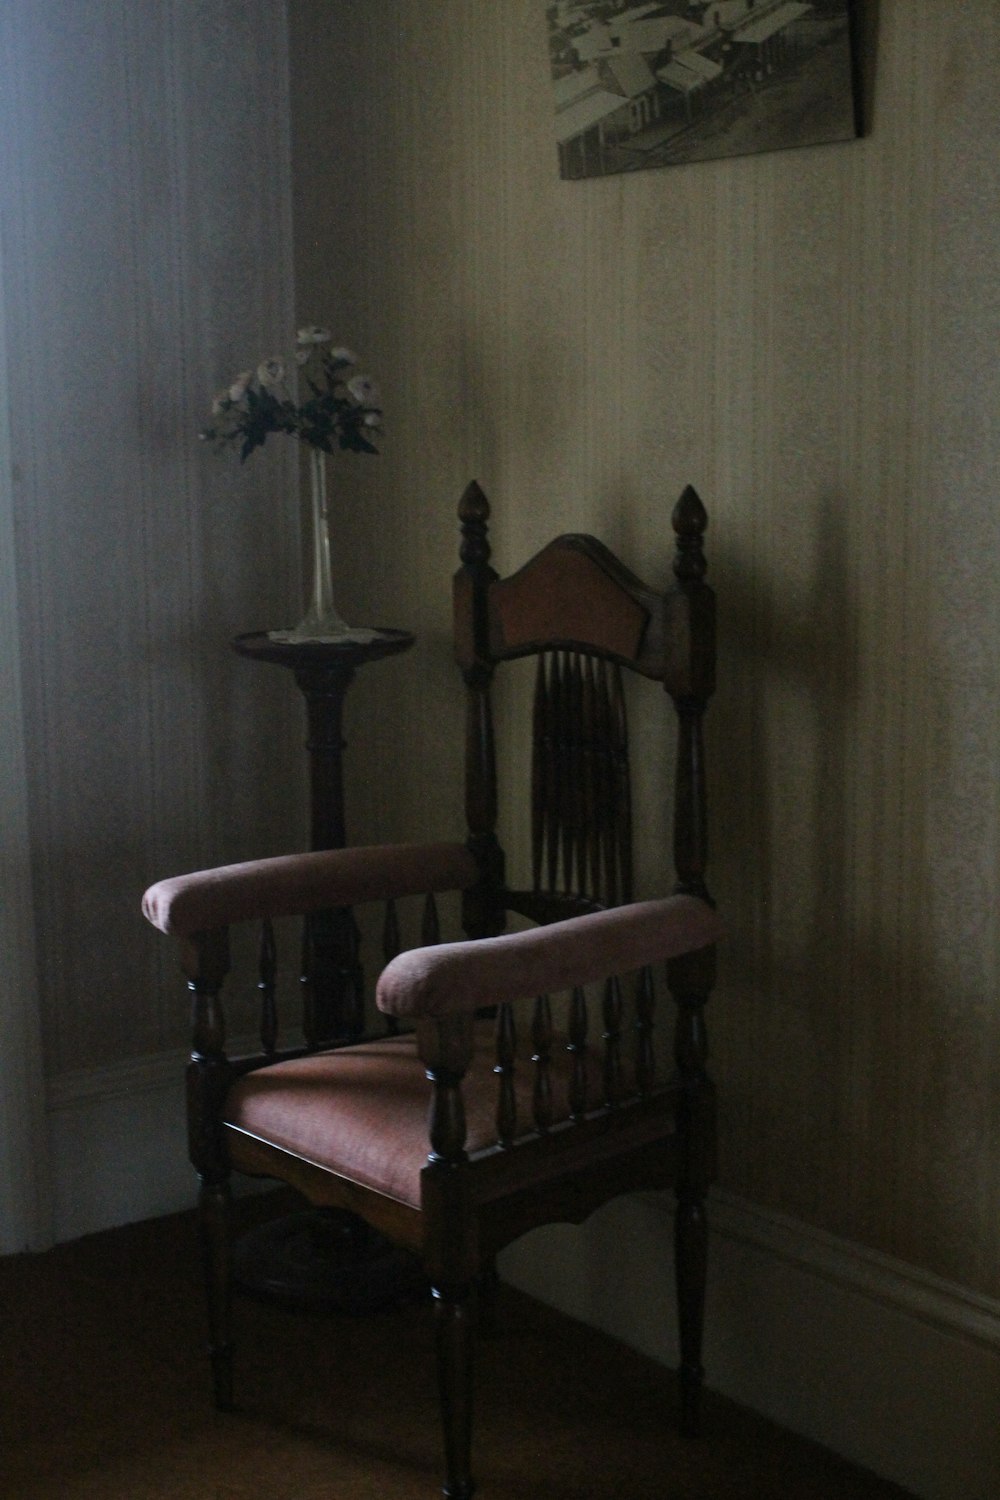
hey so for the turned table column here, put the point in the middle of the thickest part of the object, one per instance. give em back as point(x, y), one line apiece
point(324, 670)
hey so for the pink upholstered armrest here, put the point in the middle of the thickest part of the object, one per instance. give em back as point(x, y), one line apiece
point(462, 976)
point(296, 883)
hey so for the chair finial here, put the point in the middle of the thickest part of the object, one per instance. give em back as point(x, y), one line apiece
point(689, 521)
point(474, 514)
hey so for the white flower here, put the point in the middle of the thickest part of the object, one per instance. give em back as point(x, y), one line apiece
point(271, 372)
point(364, 390)
point(330, 410)
point(238, 389)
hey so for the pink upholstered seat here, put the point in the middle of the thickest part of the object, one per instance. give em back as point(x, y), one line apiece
point(362, 1111)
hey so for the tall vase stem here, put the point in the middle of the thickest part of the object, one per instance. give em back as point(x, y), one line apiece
point(322, 620)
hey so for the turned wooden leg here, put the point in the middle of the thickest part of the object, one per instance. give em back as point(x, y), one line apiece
point(214, 1202)
point(487, 1291)
point(454, 1321)
point(691, 1265)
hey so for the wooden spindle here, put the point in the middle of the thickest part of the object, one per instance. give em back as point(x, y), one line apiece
point(690, 977)
point(445, 1046)
point(205, 960)
point(482, 908)
point(691, 823)
point(541, 1040)
point(606, 789)
point(567, 779)
point(332, 978)
point(480, 763)
point(539, 768)
point(267, 965)
point(307, 981)
point(600, 781)
point(592, 881)
point(214, 1228)
point(504, 1070)
point(392, 943)
point(555, 770)
point(611, 1037)
point(645, 1008)
point(576, 1046)
point(576, 861)
point(694, 603)
point(623, 789)
point(430, 925)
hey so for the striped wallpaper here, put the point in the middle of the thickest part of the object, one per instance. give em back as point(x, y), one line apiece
point(810, 338)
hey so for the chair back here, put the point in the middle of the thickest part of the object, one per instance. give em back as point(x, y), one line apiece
point(586, 619)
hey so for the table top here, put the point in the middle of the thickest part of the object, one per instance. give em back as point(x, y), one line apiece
point(385, 642)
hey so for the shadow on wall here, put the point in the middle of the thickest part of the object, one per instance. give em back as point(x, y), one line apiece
point(853, 1023)
point(783, 864)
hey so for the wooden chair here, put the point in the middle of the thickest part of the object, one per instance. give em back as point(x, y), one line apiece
point(438, 1130)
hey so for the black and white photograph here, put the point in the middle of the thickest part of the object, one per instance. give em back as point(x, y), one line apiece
point(652, 85)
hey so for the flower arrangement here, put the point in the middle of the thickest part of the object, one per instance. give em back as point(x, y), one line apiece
point(337, 410)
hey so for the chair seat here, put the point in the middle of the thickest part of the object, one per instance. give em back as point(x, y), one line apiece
point(362, 1111)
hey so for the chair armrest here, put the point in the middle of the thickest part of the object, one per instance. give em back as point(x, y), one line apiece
point(457, 977)
point(292, 884)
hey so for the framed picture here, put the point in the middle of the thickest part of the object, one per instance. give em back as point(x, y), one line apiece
point(654, 84)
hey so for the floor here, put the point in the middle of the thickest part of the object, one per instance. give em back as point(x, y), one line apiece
point(103, 1393)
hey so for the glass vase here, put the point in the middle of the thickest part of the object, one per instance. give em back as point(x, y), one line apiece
point(322, 620)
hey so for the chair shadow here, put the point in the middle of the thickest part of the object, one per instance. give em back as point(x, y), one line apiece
point(786, 848)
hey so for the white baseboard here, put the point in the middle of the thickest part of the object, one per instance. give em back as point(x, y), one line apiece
point(118, 1145)
point(884, 1364)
